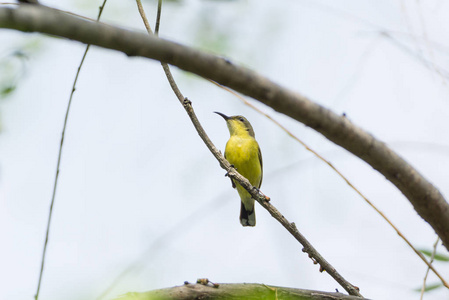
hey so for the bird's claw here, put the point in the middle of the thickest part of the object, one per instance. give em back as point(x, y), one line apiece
point(227, 173)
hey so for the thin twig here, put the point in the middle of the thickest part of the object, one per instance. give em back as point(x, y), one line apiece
point(357, 74)
point(291, 227)
point(427, 42)
point(55, 184)
point(428, 269)
point(354, 18)
point(428, 64)
point(158, 17)
point(144, 16)
point(420, 255)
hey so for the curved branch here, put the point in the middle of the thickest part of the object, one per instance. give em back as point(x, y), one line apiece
point(425, 198)
point(234, 291)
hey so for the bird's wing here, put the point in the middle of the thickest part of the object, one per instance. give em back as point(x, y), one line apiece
point(261, 167)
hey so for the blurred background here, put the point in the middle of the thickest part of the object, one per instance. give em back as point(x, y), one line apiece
point(142, 204)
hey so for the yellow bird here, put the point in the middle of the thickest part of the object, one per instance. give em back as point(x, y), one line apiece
point(243, 152)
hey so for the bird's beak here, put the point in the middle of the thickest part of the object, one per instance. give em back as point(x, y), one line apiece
point(223, 115)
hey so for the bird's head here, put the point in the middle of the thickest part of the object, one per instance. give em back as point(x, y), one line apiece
point(238, 125)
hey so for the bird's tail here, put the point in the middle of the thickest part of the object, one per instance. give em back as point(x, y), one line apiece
point(247, 217)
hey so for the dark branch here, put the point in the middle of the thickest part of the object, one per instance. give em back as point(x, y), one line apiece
point(425, 198)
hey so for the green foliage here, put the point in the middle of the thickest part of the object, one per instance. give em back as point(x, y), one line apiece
point(133, 296)
point(429, 287)
point(6, 90)
point(13, 66)
point(437, 256)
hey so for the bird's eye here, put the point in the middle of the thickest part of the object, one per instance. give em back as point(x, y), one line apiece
point(241, 120)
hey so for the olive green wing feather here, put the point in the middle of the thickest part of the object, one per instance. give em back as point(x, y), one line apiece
point(261, 167)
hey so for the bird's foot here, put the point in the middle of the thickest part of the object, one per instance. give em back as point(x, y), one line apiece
point(227, 173)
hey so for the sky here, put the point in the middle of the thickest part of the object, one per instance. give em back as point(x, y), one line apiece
point(141, 204)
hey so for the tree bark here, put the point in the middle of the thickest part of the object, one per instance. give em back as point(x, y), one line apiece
point(425, 198)
point(247, 291)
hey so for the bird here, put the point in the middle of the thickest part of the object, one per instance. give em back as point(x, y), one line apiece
point(243, 152)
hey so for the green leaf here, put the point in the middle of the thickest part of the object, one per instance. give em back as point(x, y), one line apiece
point(438, 256)
point(429, 287)
point(5, 91)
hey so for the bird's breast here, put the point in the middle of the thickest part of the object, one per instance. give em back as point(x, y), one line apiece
point(243, 153)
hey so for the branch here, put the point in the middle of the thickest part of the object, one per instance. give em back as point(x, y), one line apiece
point(425, 198)
point(249, 291)
point(420, 255)
point(55, 184)
point(264, 202)
point(432, 257)
point(231, 172)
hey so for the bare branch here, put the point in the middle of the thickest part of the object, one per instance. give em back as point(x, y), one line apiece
point(55, 184)
point(426, 199)
point(423, 289)
point(249, 291)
